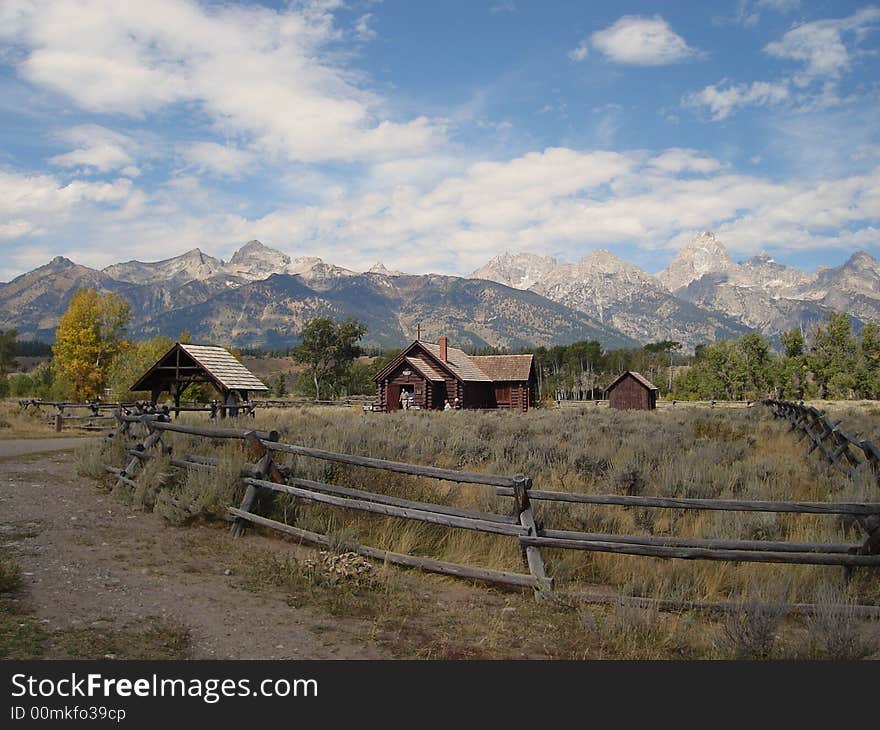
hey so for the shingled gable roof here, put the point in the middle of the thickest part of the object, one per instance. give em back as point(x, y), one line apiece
point(223, 366)
point(459, 363)
point(501, 368)
point(219, 365)
point(468, 368)
point(425, 369)
point(638, 376)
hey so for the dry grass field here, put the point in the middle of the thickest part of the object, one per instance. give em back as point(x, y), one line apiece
point(16, 423)
point(686, 452)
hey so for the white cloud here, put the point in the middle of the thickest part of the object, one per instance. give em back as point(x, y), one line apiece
point(579, 53)
point(253, 71)
point(503, 7)
point(95, 146)
point(780, 6)
point(363, 31)
point(17, 228)
point(825, 48)
point(221, 159)
point(748, 12)
point(820, 45)
point(679, 160)
point(642, 41)
point(721, 101)
point(37, 205)
point(565, 200)
point(558, 200)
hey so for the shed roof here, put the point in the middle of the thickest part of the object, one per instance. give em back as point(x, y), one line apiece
point(222, 365)
point(638, 377)
point(504, 367)
point(216, 363)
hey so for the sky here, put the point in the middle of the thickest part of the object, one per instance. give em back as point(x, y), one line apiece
point(432, 136)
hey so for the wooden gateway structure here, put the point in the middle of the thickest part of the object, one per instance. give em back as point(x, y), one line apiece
point(427, 375)
point(186, 364)
point(632, 391)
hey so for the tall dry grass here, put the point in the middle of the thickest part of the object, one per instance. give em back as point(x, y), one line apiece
point(709, 453)
point(706, 453)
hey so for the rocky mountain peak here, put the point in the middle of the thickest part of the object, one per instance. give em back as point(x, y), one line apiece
point(193, 265)
point(862, 260)
point(517, 270)
point(602, 256)
point(256, 261)
point(59, 263)
point(380, 268)
point(705, 254)
point(257, 250)
point(859, 274)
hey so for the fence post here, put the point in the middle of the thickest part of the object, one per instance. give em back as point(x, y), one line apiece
point(154, 437)
point(521, 486)
point(267, 469)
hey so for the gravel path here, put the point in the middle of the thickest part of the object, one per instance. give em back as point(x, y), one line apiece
point(89, 560)
point(23, 447)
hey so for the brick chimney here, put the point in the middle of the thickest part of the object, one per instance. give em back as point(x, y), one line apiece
point(444, 344)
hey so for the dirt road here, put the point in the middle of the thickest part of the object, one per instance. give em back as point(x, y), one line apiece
point(23, 447)
point(95, 567)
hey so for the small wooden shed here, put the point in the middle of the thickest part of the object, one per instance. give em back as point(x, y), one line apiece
point(185, 364)
point(632, 391)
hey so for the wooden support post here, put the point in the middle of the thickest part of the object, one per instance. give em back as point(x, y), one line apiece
point(268, 470)
point(135, 462)
point(543, 584)
point(871, 527)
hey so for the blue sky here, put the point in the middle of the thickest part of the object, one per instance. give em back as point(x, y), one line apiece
point(432, 136)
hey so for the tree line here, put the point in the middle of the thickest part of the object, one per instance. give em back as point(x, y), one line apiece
point(831, 363)
point(93, 357)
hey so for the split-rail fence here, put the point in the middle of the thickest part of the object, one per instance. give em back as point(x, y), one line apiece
point(520, 523)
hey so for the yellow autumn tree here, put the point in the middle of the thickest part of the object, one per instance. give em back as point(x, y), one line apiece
point(89, 335)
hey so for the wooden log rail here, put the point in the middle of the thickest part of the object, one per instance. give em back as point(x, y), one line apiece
point(845, 452)
point(267, 475)
point(761, 551)
point(521, 525)
point(431, 472)
point(294, 402)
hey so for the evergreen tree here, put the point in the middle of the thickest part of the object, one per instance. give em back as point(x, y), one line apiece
point(279, 386)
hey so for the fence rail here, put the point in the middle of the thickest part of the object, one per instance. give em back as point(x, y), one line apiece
point(846, 453)
point(265, 475)
point(842, 450)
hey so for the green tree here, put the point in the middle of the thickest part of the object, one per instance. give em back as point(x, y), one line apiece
point(89, 336)
point(133, 360)
point(8, 363)
point(279, 386)
point(793, 342)
point(8, 349)
point(328, 349)
point(868, 371)
point(719, 374)
point(757, 363)
point(834, 357)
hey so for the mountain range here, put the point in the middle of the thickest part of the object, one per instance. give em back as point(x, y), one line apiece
point(262, 297)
